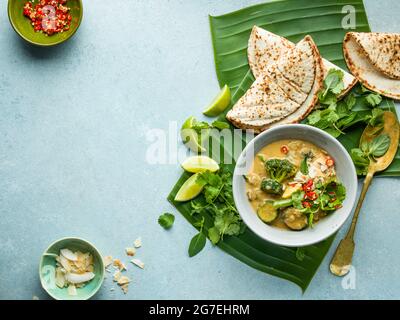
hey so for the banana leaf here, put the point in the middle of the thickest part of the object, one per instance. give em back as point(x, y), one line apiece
point(230, 32)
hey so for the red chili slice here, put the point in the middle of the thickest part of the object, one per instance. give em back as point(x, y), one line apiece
point(330, 162)
point(284, 149)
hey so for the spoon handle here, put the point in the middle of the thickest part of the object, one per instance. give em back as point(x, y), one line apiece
point(341, 261)
point(366, 184)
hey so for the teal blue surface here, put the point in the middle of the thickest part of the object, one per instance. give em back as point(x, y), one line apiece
point(73, 123)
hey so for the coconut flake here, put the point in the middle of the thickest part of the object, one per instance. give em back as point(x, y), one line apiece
point(123, 280)
point(79, 278)
point(138, 242)
point(138, 263)
point(69, 254)
point(65, 263)
point(119, 264)
point(130, 251)
point(108, 260)
point(116, 276)
point(72, 290)
point(60, 278)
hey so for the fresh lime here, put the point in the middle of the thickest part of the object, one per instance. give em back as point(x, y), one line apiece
point(220, 103)
point(190, 189)
point(197, 164)
point(190, 137)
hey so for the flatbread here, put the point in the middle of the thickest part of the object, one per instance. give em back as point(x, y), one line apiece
point(377, 68)
point(281, 90)
point(382, 50)
point(264, 49)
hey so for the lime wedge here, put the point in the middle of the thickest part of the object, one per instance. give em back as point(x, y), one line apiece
point(220, 103)
point(197, 164)
point(190, 189)
point(190, 137)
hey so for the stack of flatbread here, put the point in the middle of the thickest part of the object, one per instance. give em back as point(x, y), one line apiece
point(288, 78)
point(374, 58)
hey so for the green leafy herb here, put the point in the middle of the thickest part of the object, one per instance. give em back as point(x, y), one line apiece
point(334, 116)
point(304, 164)
point(373, 99)
point(217, 199)
point(197, 244)
point(220, 125)
point(369, 151)
point(333, 82)
point(166, 220)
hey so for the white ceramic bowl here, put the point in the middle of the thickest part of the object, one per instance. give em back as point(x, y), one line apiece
point(324, 228)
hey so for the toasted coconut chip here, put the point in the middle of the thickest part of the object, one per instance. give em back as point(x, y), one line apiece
point(119, 264)
point(65, 263)
point(138, 263)
point(60, 278)
point(130, 251)
point(72, 290)
point(79, 278)
point(138, 242)
point(123, 280)
point(125, 288)
point(69, 254)
point(107, 260)
point(117, 275)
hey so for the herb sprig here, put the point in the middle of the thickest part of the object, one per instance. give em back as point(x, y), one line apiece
point(334, 115)
point(217, 201)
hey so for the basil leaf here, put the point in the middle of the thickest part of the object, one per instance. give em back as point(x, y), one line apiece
point(220, 125)
point(197, 244)
point(379, 145)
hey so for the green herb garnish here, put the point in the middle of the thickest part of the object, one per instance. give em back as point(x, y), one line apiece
point(166, 220)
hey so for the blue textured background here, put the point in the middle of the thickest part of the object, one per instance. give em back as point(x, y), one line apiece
point(72, 141)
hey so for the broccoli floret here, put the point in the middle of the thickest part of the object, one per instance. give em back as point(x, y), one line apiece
point(271, 186)
point(280, 170)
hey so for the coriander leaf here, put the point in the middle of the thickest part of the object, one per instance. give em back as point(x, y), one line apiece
point(333, 81)
point(376, 119)
point(373, 99)
point(220, 125)
point(197, 244)
point(350, 100)
point(314, 117)
point(379, 145)
point(213, 234)
point(166, 220)
point(300, 253)
point(360, 160)
point(326, 98)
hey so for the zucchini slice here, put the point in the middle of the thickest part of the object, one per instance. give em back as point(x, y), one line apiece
point(267, 212)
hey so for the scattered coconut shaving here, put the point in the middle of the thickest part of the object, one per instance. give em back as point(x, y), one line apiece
point(138, 263)
point(117, 275)
point(73, 270)
point(108, 260)
point(130, 251)
point(138, 242)
point(119, 264)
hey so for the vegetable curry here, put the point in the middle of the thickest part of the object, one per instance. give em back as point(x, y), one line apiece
point(292, 184)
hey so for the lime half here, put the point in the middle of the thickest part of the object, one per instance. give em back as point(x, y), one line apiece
point(190, 137)
point(190, 189)
point(220, 103)
point(197, 164)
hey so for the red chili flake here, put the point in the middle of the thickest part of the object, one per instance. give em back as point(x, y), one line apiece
point(284, 149)
point(311, 195)
point(333, 200)
point(308, 185)
point(329, 162)
point(338, 206)
point(49, 16)
point(306, 204)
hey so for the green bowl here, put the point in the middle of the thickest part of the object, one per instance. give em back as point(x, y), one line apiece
point(22, 25)
point(48, 265)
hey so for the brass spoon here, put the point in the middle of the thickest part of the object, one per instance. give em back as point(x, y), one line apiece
point(341, 262)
